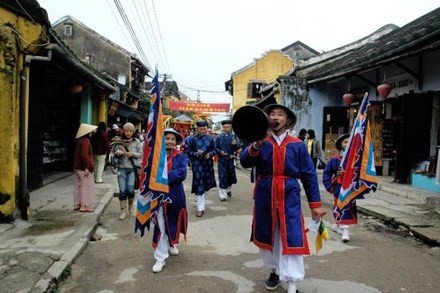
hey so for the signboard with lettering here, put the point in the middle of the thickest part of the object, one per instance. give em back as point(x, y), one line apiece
point(401, 84)
point(198, 107)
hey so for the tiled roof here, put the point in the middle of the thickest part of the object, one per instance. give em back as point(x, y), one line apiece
point(422, 34)
point(29, 9)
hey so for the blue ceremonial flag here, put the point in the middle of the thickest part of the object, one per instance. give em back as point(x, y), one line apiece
point(153, 187)
point(358, 162)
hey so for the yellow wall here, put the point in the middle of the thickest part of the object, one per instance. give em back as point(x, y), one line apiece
point(267, 69)
point(11, 63)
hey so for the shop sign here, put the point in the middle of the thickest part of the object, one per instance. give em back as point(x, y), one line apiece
point(401, 84)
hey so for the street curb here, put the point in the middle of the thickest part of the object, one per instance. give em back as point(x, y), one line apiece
point(49, 281)
point(393, 222)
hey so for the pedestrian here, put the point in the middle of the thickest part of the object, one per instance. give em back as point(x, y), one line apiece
point(84, 166)
point(227, 145)
point(101, 150)
point(114, 133)
point(302, 134)
point(172, 218)
point(201, 149)
point(332, 179)
point(129, 151)
point(186, 145)
point(313, 146)
point(278, 223)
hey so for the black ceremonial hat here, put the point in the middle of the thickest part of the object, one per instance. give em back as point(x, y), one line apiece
point(201, 123)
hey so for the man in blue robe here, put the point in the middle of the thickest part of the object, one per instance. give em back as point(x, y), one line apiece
point(226, 144)
point(278, 228)
point(201, 149)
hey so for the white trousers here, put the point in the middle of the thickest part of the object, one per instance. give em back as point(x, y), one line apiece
point(99, 167)
point(290, 268)
point(161, 252)
point(223, 193)
point(200, 200)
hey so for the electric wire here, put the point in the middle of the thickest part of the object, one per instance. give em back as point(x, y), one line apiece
point(152, 36)
point(131, 32)
point(141, 30)
point(129, 42)
point(160, 36)
point(5, 25)
point(24, 10)
point(200, 90)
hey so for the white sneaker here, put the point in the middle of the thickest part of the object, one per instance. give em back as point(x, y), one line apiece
point(345, 236)
point(158, 266)
point(174, 251)
point(335, 228)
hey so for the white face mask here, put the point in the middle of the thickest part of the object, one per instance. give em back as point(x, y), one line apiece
point(341, 153)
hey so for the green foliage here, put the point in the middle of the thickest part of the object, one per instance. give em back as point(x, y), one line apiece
point(66, 273)
point(144, 105)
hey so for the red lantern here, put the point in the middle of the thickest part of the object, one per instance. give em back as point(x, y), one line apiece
point(348, 99)
point(383, 90)
point(75, 89)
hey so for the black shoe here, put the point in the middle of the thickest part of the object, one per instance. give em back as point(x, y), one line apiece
point(272, 282)
point(229, 194)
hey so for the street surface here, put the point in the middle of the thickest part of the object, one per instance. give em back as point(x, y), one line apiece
point(218, 257)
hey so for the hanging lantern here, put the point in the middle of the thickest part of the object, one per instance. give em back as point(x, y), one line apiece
point(348, 98)
point(383, 90)
point(75, 89)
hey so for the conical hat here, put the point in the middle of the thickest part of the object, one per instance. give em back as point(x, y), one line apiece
point(85, 129)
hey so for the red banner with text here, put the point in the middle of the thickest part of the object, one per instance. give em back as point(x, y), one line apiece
point(198, 107)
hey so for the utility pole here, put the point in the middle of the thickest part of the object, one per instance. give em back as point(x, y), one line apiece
point(162, 92)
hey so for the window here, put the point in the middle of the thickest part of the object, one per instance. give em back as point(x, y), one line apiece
point(253, 90)
point(68, 30)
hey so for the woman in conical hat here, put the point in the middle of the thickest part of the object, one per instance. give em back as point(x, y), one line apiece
point(84, 166)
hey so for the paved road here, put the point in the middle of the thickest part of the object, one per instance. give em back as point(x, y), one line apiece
point(218, 257)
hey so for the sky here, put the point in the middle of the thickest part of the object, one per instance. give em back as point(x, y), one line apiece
point(200, 43)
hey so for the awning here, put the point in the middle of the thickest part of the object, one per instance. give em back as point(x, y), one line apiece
point(124, 112)
point(140, 116)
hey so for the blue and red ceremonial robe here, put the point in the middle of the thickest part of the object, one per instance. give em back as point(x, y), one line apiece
point(175, 212)
point(153, 187)
point(358, 162)
point(277, 195)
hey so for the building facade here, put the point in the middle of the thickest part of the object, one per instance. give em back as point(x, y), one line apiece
point(45, 92)
point(405, 123)
point(125, 71)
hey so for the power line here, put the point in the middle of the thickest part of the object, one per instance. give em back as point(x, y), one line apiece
point(140, 24)
point(120, 27)
point(200, 90)
point(131, 32)
point(160, 36)
point(150, 31)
